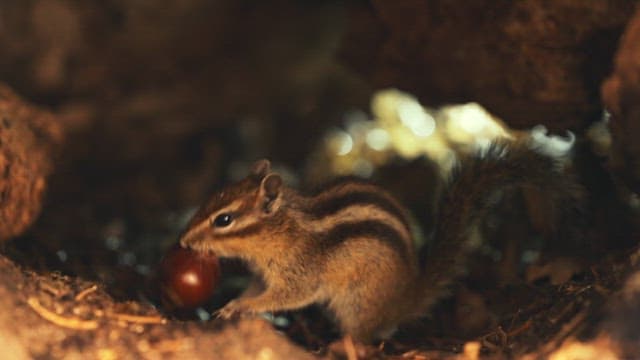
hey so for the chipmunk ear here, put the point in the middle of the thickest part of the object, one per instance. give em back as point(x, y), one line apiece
point(260, 169)
point(270, 189)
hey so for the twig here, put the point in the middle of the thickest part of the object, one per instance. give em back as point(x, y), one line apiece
point(413, 355)
point(173, 345)
point(67, 322)
point(139, 319)
point(565, 331)
point(500, 335)
point(350, 348)
point(51, 289)
point(520, 329)
point(83, 294)
point(472, 350)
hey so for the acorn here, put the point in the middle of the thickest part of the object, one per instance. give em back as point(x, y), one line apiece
point(188, 278)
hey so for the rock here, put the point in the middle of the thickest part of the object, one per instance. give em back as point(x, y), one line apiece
point(29, 138)
point(529, 62)
point(621, 96)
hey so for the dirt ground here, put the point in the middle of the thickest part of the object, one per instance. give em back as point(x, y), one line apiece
point(118, 118)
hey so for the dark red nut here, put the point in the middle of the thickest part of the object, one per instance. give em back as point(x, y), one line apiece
point(188, 278)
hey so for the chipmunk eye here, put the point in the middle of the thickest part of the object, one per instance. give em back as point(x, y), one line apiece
point(222, 220)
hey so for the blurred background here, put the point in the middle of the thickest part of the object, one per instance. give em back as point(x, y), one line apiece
point(163, 102)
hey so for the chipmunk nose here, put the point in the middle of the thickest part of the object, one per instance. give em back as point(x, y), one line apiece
point(190, 237)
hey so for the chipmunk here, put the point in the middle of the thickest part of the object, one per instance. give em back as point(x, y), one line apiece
point(350, 246)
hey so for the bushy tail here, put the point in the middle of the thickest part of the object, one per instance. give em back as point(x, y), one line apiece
point(468, 197)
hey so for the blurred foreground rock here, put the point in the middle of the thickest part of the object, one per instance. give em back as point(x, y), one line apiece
point(54, 316)
point(29, 138)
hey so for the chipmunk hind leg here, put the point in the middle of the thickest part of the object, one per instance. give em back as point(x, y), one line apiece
point(370, 299)
point(368, 321)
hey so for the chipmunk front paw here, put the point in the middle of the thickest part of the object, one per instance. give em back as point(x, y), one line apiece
point(234, 309)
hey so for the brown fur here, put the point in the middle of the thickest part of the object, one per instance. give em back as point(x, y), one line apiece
point(364, 266)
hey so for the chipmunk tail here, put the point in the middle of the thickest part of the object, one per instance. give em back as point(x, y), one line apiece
point(472, 191)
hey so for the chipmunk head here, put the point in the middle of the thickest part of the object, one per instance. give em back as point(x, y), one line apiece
point(240, 211)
